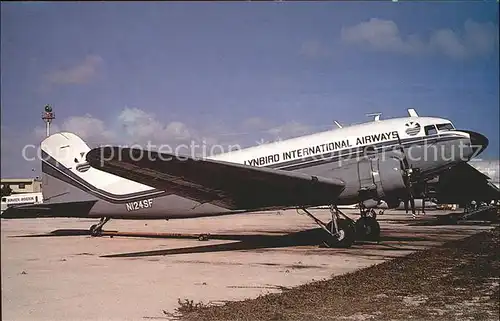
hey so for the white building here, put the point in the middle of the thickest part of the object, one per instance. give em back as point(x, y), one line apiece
point(22, 185)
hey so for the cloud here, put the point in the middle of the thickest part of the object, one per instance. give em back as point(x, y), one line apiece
point(476, 40)
point(290, 130)
point(80, 73)
point(257, 130)
point(138, 123)
point(314, 49)
point(137, 126)
point(256, 123)
point(262, 130)
point(381, 35)
point(132, 126)
point(91, 129)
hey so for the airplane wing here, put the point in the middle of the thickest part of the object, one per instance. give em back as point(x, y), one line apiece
point(463, 183)
point(229, 185)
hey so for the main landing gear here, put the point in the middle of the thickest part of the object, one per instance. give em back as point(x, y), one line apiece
point(367, 226)
point(340, 232)
point(96, 229)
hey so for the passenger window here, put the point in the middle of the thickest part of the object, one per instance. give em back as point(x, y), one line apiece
point(4, 199)
point(444, 127)
point(430, 130)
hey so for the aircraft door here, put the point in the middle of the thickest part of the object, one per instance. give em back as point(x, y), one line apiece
point(365, 174)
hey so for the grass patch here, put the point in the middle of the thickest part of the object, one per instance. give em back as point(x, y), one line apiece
point(457, 281)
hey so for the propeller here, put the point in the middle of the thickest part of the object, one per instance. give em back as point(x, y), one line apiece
point(407, 171)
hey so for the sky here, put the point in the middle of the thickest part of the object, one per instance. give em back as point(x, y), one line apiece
point(240, 72)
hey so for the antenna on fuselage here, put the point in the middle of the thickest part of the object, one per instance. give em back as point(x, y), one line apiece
point(412, 112)
point(376, 116)
point(337, 123)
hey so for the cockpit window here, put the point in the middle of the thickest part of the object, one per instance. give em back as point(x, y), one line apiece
point(446, 126)
point(430, 130)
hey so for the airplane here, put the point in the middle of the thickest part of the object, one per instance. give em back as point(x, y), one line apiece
point(481, 186)
point(490, 168)
point(383, 159)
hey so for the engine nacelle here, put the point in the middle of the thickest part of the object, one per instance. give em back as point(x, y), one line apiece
point(372, 179)
point(391, 185)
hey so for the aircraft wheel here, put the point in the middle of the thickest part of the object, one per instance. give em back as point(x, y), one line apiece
point(368, 228)
point(94, 231)
point(346, 237)
point(203, 237)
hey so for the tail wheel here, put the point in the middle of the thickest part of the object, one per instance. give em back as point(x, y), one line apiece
point(203, 237)
point(368, 228)
point(346, 235)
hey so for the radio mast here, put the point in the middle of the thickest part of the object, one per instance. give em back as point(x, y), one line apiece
point(47, 116)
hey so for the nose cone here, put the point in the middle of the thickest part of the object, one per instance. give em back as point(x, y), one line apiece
point(478, 142)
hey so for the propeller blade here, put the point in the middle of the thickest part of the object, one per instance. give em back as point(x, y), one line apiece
point(406, 178)
point(405, 160)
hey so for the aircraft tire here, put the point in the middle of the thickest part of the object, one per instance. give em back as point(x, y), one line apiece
point(367, 229)
point(347, 238)
point(203, 237)
point(94, 231)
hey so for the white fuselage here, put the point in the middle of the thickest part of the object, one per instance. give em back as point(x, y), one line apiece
point(335, 140)
point(68, 177)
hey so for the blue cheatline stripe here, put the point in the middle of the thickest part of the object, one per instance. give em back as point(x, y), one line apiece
point(356, 151)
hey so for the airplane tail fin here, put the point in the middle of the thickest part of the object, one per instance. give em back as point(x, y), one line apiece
point(67, 177)
point(62, 163)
